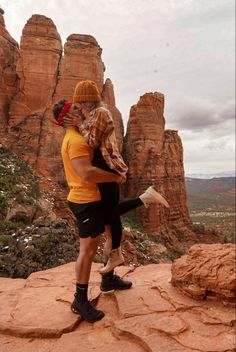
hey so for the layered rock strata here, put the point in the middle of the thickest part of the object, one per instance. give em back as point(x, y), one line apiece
point(44, 76)
point(108, 96)
point(9, 52)
point(81, 60)
point(155, 157)
point(30, 127)
point(207, 271)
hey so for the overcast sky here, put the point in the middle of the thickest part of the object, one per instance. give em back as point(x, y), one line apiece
point(182, 48)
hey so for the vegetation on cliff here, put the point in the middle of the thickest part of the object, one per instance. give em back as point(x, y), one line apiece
point(29, 240)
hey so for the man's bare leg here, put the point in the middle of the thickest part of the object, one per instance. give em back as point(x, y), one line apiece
point(88, 247)
point(81, 305)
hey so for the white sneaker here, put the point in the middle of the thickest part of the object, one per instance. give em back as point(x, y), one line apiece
point(115, 259)
point(151, 196)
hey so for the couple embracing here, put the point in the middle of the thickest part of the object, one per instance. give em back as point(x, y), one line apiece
point(94, 168)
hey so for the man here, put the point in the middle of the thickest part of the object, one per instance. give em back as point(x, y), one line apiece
point(97, 127)
point(85, 202)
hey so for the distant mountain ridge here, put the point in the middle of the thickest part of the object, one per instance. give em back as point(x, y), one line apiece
point(209, 176)
point(214, 188)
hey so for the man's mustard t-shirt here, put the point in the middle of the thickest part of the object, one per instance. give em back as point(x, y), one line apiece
point(74, 146)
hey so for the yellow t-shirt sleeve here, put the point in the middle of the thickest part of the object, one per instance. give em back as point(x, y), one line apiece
point(78, 148)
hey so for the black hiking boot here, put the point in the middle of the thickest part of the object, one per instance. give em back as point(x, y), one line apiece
point(87, 311)
point(114, 282)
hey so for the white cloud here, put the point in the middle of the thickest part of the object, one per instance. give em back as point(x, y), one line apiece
point(199, 115)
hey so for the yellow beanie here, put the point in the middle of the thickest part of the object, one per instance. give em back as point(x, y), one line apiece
point(86, 91)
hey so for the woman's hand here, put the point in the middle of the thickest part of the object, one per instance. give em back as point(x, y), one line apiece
point(72, 119)
point(69, 119)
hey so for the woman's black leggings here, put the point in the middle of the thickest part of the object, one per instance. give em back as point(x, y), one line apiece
point(112, 208)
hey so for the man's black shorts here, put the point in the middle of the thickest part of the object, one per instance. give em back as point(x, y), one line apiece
point(90, 219)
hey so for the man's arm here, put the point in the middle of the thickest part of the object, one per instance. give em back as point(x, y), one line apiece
point(88, 172)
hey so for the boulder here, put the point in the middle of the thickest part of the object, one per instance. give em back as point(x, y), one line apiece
point(207, 271)
point(21, 213)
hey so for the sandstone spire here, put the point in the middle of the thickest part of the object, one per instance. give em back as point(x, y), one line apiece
point(82, 60)
point(29, 126)
point(109, 99)
point(37, 67)
point(155, 157)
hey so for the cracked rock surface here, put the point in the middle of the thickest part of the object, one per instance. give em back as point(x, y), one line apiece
point(207, 270)
point(152, 316)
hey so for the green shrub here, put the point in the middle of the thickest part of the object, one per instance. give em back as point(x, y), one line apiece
point(4, 240)
point(7, 225)
point(35, 190)
point(130, 220)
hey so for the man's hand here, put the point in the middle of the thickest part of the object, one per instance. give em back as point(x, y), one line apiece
point(121, 179)
point(88, 172)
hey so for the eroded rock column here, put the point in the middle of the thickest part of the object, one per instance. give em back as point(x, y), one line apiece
point(108, 96)
point(29, 126)
point(155, 157)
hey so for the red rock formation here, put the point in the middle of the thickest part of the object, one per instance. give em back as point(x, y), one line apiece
point(207, 271)
point(82, 60)
point(152, 316)
point(8, 78)
point(30, 128)
point(109, 99)
point(155, 157)
point(37, 68)
point(44, 77)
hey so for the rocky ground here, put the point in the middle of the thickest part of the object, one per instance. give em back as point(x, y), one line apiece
point(152, 316)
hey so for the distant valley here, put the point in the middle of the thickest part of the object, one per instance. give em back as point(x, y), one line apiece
point(220, 189)
point(211, 203)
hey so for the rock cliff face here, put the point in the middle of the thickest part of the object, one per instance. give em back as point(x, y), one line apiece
point(155, 157)
point(109, 99)
point(45, 75)
point(81, 60)
point(9, 53)
point(30, 128)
